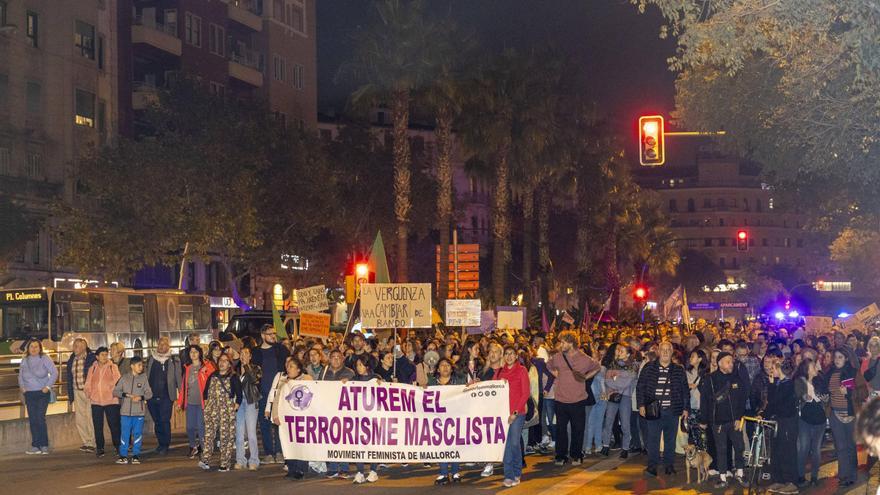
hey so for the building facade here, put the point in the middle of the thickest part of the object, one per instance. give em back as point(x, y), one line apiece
point(711, 202)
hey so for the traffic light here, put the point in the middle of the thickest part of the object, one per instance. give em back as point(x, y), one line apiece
point(652, 147)
point(742, 241)
point(640, 294)
point(359, 274)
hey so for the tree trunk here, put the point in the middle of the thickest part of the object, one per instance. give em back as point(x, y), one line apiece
point(402, 173)
point(612, 273)
point(501, 224)
point(528, 226)
point(544, 245)
point(233, 284)
point(444, 199)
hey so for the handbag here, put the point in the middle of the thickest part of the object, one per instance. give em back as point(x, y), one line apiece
point(652, 410)
point(577, 374)
point(615, 397)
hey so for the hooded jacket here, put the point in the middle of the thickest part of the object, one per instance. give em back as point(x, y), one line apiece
point(129, 386)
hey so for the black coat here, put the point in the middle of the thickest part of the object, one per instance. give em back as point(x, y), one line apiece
point(722, 398)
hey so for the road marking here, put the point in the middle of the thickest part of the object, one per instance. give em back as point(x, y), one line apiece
point(123, 478)
point(178, 445)
point(573, 482)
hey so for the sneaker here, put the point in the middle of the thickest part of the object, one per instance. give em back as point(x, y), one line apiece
point(789, 489)
point(624, 454)
point(546, 439)
point(122, 460)
point(456, 478)
point(344, 476)
point(529, 450)
point(713, 472)
point(559, 462)
point(268, 459)
point(441, 480)
point(372, 477)
point(359, 478)
point(204, 466)
point(774, 487)
point(193, 452)
point(44, 450)
point(284, 468)
point(33, 451)
point(252, 467)
point(605, 451)
point(223, 469)
point(508, 483)
point(382, 467)
point(135, 460)
point(99, 453)
point(576, 461)
point(332, 476)
point(720, 484)
point(551, 445)
point(84, 448)
point(487, 471)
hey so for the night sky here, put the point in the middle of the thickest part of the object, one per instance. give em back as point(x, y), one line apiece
point(623, 57)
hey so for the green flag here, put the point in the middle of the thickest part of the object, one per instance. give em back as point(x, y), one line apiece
point(277, 323)
point(378, 262)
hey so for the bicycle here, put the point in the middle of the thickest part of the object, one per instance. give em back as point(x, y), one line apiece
point(758, 454)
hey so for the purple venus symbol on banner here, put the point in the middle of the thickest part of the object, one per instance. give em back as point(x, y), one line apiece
point(299, 397)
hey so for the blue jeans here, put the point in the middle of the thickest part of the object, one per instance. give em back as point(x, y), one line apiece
point(246, 424)
point(595, 423)
point(37, 403)
point(337, 467)
point(447, 468)
point(624, 407)
point(195, 425)
point(360, 467)
point(160, 410)
point(809, 445)
point(667, 426)
point(548, 419)
point(132, 435)
point(268, 430)
point(513, 461)
point(845, 445)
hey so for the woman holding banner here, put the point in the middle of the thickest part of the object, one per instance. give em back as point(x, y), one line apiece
point(296, 469)
point(519, 388)
point(449, 471)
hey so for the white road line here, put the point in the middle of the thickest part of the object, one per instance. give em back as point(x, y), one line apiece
point(178, 445)
point(573, 482)
point(122, 478)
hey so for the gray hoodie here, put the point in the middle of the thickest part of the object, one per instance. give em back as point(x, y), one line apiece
point(133, 385)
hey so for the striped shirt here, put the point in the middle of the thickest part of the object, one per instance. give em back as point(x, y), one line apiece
point(838, 400)
point(664, 391)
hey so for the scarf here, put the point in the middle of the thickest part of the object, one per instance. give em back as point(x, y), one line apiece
point(161, 357)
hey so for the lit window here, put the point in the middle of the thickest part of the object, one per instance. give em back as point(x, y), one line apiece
point(33, 29)
point(85, 108)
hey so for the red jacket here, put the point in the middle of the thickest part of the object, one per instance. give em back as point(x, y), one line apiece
point(518, 382)
point(204, 372)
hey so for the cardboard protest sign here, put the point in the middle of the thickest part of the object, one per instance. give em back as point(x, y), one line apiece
point(312, 299)
point(314, 324)
point(396, 305)
point(511, 318)
point(463, 312)
point(818, 324)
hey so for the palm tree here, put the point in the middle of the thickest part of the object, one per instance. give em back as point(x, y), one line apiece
point(393, 59)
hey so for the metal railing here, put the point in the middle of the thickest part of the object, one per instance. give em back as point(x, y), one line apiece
point(247, 57)
point(149, 22)
point(252, 6)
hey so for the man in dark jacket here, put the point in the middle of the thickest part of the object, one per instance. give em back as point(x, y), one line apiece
point(723, 404)
point(164, 375)
point(271, 357)
point(78, 365)
point(664, 382)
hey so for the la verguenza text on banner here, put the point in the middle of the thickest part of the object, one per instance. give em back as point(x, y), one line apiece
point(390, 422)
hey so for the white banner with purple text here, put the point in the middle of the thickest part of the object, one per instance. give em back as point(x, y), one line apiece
point(393, 423)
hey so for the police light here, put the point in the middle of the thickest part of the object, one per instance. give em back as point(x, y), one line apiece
point(780, 315)
point(652, 145)
point(793, 314)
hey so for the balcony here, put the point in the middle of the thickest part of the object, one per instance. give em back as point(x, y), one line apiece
point(163, 37)
point(143, 95)
point(245, 13)
point(246, 66)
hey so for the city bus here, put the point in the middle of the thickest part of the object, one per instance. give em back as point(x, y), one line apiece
point(137, 318)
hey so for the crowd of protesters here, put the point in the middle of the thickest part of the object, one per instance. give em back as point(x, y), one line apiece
point(627, 388)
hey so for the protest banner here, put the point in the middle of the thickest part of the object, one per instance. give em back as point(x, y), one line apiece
point(463, 312)
point(818, 325)
point(396, 305)
point(312, 299)
point(849, 324)
point(487, 324)
point(314, 324)
point(868, 313)
point(511, 317)
point(372, 423)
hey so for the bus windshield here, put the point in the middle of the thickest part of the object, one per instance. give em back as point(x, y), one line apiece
point(23, 314)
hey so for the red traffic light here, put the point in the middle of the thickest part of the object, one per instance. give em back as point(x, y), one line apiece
point(640, 293)
point(362, 270)
point(742, 241)
point(652, 146)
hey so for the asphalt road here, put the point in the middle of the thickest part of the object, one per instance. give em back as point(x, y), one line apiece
point(71, 471)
